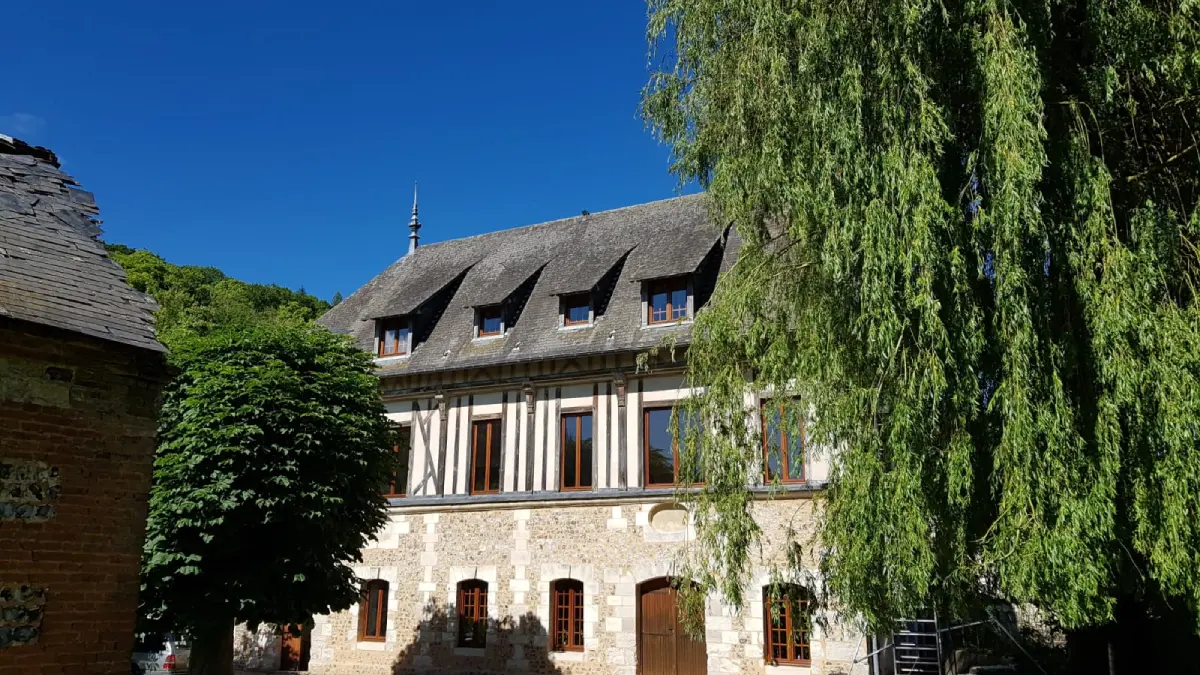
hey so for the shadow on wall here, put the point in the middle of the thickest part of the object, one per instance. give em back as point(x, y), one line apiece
point(512, 644)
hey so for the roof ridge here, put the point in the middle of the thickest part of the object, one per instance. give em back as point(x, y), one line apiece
point(557, 221)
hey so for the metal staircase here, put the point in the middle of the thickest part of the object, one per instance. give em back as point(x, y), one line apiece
point(917, 648)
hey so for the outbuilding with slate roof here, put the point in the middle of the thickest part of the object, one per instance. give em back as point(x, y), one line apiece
point(81, 374)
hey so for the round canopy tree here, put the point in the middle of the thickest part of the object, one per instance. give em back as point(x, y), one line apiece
point(970, 244)
point(273, 453)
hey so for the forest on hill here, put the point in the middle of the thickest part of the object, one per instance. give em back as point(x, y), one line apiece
point(197, 300)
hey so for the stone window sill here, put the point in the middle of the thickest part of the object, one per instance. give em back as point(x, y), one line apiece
point(469, 651)
point(786, 670)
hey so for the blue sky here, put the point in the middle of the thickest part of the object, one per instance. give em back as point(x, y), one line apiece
point(279, 141)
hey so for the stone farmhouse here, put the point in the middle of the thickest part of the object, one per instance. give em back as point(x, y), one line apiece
point(533, 525)
point(80, 379)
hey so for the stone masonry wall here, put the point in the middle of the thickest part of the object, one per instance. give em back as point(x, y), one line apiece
point(77, 425)
point(610, 548)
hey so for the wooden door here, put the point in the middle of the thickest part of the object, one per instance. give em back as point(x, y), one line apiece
point(293, 650)
point(664, 648)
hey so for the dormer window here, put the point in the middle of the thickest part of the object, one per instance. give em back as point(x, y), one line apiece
point(489, 321)
point(667, 301)
point(577, 310)
point(393, 337)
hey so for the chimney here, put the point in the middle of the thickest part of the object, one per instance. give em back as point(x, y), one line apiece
point(414, 224)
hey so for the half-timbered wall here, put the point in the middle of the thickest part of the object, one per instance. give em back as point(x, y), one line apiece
point(529, 422)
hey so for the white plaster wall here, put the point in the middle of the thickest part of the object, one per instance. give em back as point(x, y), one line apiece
point(425, 422)
point(452, 415)
point(633, 435)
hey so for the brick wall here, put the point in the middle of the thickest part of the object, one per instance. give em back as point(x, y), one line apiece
point(77, 424)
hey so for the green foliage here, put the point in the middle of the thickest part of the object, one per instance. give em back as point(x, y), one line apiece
point(970, 237)
point(273, 453)
point(200, 300)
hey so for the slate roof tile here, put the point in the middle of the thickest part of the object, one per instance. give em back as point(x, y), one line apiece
point(655, 240)
point(53, 270)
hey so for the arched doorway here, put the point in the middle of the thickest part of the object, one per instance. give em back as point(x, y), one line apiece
point(664, 648)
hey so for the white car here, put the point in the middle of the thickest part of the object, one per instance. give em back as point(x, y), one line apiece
point(159, 653)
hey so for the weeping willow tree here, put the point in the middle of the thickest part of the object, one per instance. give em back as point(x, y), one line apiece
point(969, 245)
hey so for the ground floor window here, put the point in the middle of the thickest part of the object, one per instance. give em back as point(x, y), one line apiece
point(568, 615)
point(472, 613)
point(786, 614)
point(372, 611)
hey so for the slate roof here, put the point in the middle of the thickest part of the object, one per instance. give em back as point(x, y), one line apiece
point(53, 269)
point(622, 246)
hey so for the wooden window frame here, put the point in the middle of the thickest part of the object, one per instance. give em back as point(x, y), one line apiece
point(406, 452)
point(572, 300)
point(566, 594)
point(397, 323)
point(562, 445)
point(492, 424)
point(783, 443)
point(646, 410)
point(792, 650)
point(483, 313)
point(669, 286)
point(473, 592)
point(373, 586)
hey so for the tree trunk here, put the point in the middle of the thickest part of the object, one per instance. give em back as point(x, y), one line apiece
point(212, 650)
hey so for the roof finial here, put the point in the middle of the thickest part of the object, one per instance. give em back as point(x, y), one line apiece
point(414, 223)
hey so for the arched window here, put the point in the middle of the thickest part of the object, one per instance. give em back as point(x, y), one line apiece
point(472, 613)
point(372, 611)
point(787, 620)
point(567, 596)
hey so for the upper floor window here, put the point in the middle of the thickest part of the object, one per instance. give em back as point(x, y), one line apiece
point(577, 451)
point(662, 449)
point(490, 321)
point(568, 615)
point(372, 611)
point(401, 446)
point(472, 613)
point(667, 300)
point(485, 457)
point(393, 337)
point(783, 442)
point(577, 309)
point(787, 616)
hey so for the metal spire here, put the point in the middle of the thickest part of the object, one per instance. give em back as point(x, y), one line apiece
point(414, 224)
